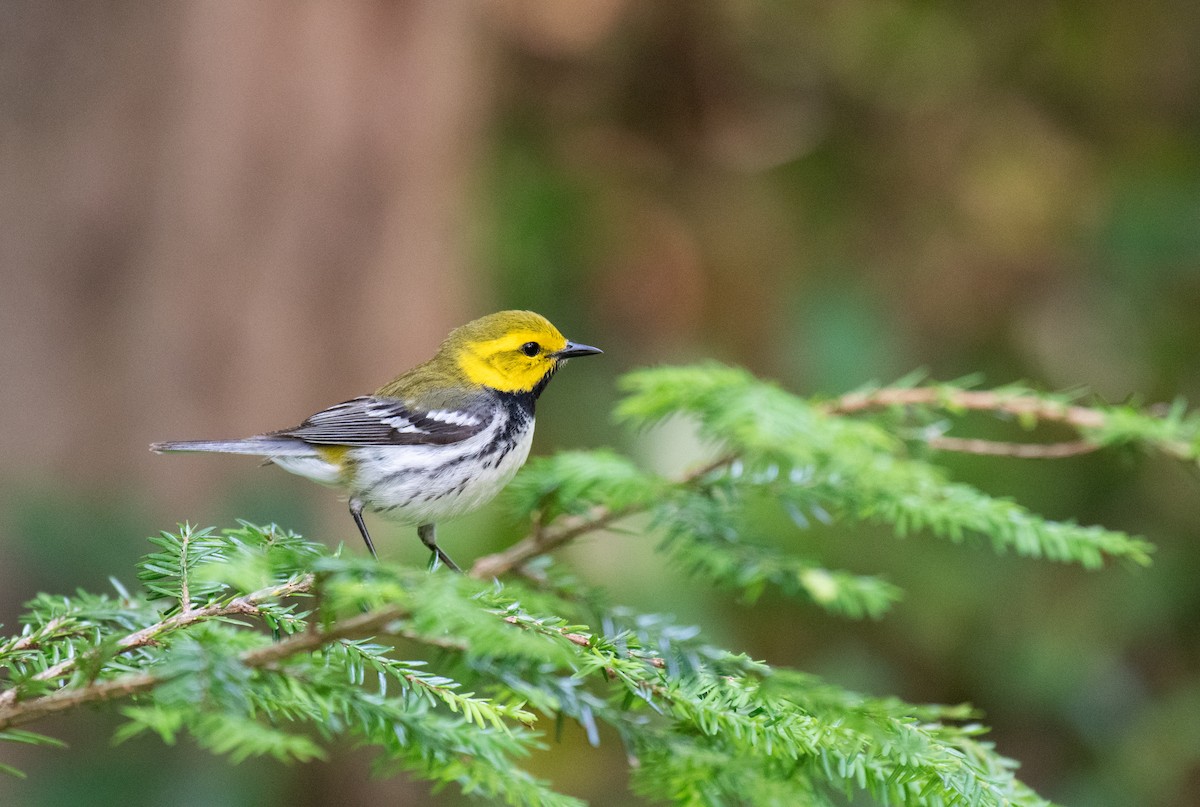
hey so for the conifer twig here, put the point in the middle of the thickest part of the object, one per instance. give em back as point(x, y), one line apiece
point(15, 713)
point(1081, 418)
point(247, 605)
point(543, 539)
point(185, 595)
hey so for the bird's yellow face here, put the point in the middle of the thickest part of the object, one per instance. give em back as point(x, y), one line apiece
point(512, 351)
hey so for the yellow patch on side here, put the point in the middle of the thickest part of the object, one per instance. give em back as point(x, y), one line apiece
point(500, 364)
point(334, 455)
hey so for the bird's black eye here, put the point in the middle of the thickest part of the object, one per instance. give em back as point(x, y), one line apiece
point(531, 348)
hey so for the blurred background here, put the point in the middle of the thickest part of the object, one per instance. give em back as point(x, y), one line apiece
point(218, 217)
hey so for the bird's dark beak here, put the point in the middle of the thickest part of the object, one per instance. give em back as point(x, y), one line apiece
point(572, 350)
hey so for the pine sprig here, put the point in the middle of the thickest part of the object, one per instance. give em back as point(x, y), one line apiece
point(240, 692)
point(886, 748)
point(1171, 429)
point(856, 470)
point(208, 667)
point(169, 573)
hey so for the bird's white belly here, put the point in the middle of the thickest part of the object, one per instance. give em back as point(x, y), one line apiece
point(426, 484)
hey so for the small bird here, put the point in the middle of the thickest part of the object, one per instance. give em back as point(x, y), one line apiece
point(438, 441)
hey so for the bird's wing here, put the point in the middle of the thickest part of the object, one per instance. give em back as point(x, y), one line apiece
point(375, 421)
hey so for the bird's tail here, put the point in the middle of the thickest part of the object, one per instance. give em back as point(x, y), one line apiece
point(264, 446)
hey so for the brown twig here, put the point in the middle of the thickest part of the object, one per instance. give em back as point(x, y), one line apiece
point(304, 641)
point(66, 699)
point(542, 540)
point(1078, 417)
point(977, 400)
point(1019, 450)
point(585, 641)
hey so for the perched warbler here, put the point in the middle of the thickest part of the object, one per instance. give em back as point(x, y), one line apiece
point(439, 440)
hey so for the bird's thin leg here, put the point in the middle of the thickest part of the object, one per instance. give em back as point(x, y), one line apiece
point(428, 535)
point(356, 507)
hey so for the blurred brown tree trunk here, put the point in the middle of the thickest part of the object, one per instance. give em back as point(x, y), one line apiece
point(219, 215)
